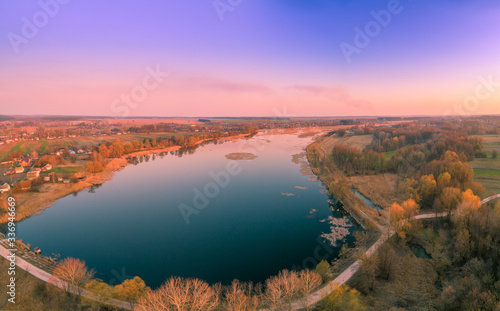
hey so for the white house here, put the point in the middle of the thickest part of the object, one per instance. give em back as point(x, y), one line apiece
point(33, 175)
point(5, 188)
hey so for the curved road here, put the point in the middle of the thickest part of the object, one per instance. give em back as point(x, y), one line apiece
point(49, 278)
point(314, 298)
point(493, 197)
point(349, 272)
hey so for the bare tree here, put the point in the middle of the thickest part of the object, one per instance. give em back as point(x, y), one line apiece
point(308, 281)
point(74, 274)
point(274, 292)
point(182, 295)
point(282, 289)
point(241, 297)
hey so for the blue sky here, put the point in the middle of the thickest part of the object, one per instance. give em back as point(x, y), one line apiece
point(427, 59)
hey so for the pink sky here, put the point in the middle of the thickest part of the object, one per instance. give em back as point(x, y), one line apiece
point(264, 57)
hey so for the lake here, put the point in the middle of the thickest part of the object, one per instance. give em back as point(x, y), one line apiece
point(199, 215)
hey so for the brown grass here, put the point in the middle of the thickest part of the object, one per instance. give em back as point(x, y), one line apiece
point(358, 141)
point(30, 203)
point(381, 189)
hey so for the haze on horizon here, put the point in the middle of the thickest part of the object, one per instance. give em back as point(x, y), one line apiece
point(251, 58)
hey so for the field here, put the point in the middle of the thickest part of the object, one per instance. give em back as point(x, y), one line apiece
point(358, 141)
point(491, 142)
point(65, 170)
point(487, 170)
point(382, 189)
point(389, 155)
point(26, 147)
point(44, 145)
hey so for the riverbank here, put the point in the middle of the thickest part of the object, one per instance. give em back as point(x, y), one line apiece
point(35, 202)
point(318, 155)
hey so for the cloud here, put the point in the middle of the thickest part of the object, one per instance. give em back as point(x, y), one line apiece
point(216, 84)
point(337, 93)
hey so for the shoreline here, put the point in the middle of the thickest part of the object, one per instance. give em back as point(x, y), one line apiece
point(118, 164)
point(35, 203)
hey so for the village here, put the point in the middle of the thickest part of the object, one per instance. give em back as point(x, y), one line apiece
point(21, 174)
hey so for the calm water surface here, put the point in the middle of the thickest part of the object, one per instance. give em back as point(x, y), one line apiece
point(252, 229)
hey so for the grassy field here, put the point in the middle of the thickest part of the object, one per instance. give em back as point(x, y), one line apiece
point(491, 142)
point(389, 155)
point(65, 170)
point(487, 170)
point(44, 145)
point(27, 147)
point(6, 149)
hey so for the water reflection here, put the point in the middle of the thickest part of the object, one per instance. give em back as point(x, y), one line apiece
point(249, 231)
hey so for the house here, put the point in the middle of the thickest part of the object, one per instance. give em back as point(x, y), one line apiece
point(59, 179)
point(66, 181)
point(5, 188)
point(25, 185)
point(33, 175)
point(25, 161)
point(80, 151)
point(47, 167)
point(19, 170)
point(46, 178)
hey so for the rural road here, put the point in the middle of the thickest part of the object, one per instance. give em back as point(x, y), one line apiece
point(493, 197)
point(318, 295)
point(47, 277)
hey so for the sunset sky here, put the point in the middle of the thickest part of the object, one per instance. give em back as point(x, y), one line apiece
point(255, 58)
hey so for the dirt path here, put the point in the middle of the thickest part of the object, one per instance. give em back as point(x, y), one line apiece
point(320, 294)
point(493, 197)
point(47, 277)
